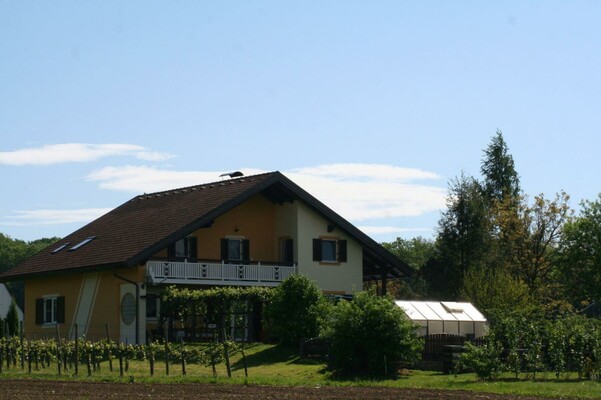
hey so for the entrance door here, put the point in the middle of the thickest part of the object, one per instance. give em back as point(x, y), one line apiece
point(127, 313)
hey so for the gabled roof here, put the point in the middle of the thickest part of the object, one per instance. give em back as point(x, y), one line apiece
point(146, 224)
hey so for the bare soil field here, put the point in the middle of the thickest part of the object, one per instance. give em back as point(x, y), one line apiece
point(40, 389)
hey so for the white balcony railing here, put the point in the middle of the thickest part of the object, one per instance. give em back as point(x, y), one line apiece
point(202, 273)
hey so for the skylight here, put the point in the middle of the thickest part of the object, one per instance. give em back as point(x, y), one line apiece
point(59, 248)
point(83, 242)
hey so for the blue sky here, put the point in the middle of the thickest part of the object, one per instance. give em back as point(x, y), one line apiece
point(371, 106)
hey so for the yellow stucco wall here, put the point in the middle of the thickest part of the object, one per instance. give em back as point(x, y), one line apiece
point(106, 307)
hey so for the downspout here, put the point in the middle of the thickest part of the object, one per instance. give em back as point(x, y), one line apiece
point(137, 302)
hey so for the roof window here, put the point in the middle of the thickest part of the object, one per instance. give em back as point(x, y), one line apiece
point(59, 248)
point(83, 242)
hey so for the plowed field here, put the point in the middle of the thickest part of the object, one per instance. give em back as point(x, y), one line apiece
point(39, 389)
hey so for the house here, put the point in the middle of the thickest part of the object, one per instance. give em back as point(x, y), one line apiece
point(107, 276)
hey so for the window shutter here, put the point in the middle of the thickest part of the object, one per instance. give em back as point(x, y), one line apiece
point(288, 252)
point(224, 248)
point(171, 251)
point(193, 247)
point(39, 311)
point(342, 250)
point(316, 249)
point(245, 251)
point(60, 309)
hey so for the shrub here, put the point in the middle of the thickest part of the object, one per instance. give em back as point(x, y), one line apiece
point(484, 360)
point(298, 309)
point(371, 334)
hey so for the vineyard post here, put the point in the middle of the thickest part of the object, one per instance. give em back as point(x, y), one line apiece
point(21, 344)
point(76, 327)
point(7, 354)
point(108, 339)
point(120, 360)
point(213, 364)
point(226, 353)
point(183, 355)
point(166, 350)
point(89, 363)
point(28, 356)
point(58, 348)
point(151, 359)
point(244, 363)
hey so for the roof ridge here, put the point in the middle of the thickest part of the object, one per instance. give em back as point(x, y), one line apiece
point(200, 186)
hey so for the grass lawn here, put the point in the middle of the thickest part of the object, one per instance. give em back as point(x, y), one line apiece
point(272, 365)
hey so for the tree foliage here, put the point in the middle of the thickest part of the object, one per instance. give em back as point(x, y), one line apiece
point(580, 254)
point(297, 309)
point(415, 252)
point(501, 179)
point(463, 238)
point(370, 334)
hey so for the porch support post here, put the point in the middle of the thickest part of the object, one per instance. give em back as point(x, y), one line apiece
point(384, 282)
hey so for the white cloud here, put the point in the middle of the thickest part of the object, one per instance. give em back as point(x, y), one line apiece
point(144, 179)
point(368, 172)
point(358, 192)
point(54, 217)
point(77, 152)
point(385, 230)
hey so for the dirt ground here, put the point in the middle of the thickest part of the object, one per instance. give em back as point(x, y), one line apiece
point(36, 389)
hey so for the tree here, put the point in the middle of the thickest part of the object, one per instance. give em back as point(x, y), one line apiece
point(298, 309)
point(580, 254)
point(12, 319)
point(495, 292)
point(463, 238)
point(371, 334)
point(415, 252)
point(533, 234)
point(13, 252)
point(498, 169)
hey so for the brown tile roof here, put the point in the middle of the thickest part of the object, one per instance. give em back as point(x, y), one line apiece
point(139, 228)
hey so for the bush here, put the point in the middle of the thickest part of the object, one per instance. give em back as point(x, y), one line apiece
point(484, 360)
point(371, 334)
point(298, 309)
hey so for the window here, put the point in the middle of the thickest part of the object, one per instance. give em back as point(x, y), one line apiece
point(50, 310)
point(59, 248)
point(186, 248)
point(235, 250)
point(152, 306)
point(128, 308)
point(83, 242)
point(328, 250)
point(286, 251)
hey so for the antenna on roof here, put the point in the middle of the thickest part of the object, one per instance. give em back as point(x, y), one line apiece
point(234, 174)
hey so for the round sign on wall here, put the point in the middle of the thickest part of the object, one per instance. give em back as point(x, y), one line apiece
point(128, 308)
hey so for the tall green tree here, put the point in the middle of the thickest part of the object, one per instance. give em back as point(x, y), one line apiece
point(533, 232)
point(580, 254)
point(501, 179)
point(463, 238)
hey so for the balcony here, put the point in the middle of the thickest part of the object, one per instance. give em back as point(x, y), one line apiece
point(210, 273)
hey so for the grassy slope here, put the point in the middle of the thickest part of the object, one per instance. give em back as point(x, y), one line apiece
point(276, 366)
